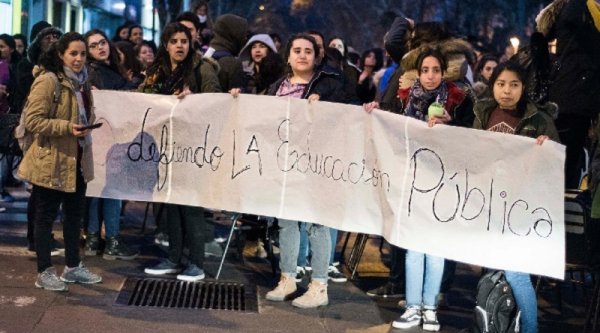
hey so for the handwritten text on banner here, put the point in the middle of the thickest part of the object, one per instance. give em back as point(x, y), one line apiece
point(484, 198)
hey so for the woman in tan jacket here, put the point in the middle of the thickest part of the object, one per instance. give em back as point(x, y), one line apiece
point(59, 161)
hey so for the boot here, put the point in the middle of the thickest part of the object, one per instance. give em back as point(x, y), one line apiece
point(285, 288)
point(116, 249)
point(92, 244)
point(314, 297)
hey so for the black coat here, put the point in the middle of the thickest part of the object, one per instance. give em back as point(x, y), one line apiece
point(102, 76)
point(326, 84)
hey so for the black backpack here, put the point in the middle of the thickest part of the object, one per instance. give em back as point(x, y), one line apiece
point(496, 310)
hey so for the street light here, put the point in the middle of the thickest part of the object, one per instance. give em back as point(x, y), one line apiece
point(514, 41)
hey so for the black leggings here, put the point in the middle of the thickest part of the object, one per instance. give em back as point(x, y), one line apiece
point(46, 203)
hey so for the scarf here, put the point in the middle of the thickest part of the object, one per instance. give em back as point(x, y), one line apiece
point(157, 83)
point(419, 99)
point(594, 8)
point(77, 82)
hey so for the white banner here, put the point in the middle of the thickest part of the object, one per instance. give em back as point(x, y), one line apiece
point(483, 198)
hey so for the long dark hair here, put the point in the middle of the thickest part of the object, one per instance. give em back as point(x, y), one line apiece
point(130, 61)
point(514, 67)
point(51, 60)
point(10, 42)
point(162, 61)
point(117, 36)
point(113, 56)
point(378, 53)
point(481, 64)
point(270, 69)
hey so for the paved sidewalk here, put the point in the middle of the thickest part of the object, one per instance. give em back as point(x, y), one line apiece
point(24, 308)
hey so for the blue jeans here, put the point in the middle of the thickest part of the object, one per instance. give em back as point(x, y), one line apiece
point(526, 299)
point(303, 250)
point(111, 210)
point(333, 235)
point(289, 245)
point(423, 279)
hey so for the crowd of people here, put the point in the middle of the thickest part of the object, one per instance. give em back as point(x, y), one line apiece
point(423, 71)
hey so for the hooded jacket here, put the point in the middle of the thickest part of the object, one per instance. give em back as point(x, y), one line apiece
point(230, 34)
point(269, 69)
point(458, 54)
point(24, 76)
point(51, 160)
point(263, 38)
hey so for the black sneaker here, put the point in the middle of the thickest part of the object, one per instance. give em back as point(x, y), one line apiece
point(192, 273)
point(300, 273)
point(57, 248)
point(388, 290)
point(334, 274)
point(166, 266)
point(92, 245)
point(116, 249)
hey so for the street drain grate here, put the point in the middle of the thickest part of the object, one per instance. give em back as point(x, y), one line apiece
point(166, 293)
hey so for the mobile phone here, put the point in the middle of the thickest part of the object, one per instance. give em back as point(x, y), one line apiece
point(93, 126)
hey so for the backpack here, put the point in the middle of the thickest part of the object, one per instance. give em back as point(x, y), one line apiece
point(496, 310)
point(24, 137)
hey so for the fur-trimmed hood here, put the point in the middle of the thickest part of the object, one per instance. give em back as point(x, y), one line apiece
point(452, 49)
point(35, 50)
point(448, 47)
point(548, 16)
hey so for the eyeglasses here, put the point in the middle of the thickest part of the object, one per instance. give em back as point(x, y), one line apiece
point(102, 42)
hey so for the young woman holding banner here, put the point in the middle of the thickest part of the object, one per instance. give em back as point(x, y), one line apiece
point(510, 112)
point(304, 80)
point(180, 71)
point(437, 101)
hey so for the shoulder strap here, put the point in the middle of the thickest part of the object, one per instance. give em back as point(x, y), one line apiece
point(56, 96)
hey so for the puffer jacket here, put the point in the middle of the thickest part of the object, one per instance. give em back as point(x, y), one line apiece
point(51, 161)
point(533, 124)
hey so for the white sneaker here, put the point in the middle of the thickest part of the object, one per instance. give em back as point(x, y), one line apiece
point(410, 318)
point(430, 321)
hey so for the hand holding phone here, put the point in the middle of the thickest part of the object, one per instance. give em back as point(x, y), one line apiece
point(92, 126)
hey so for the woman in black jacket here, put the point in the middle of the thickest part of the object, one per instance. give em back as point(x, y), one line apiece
point(105, 73)
point(180, 71)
